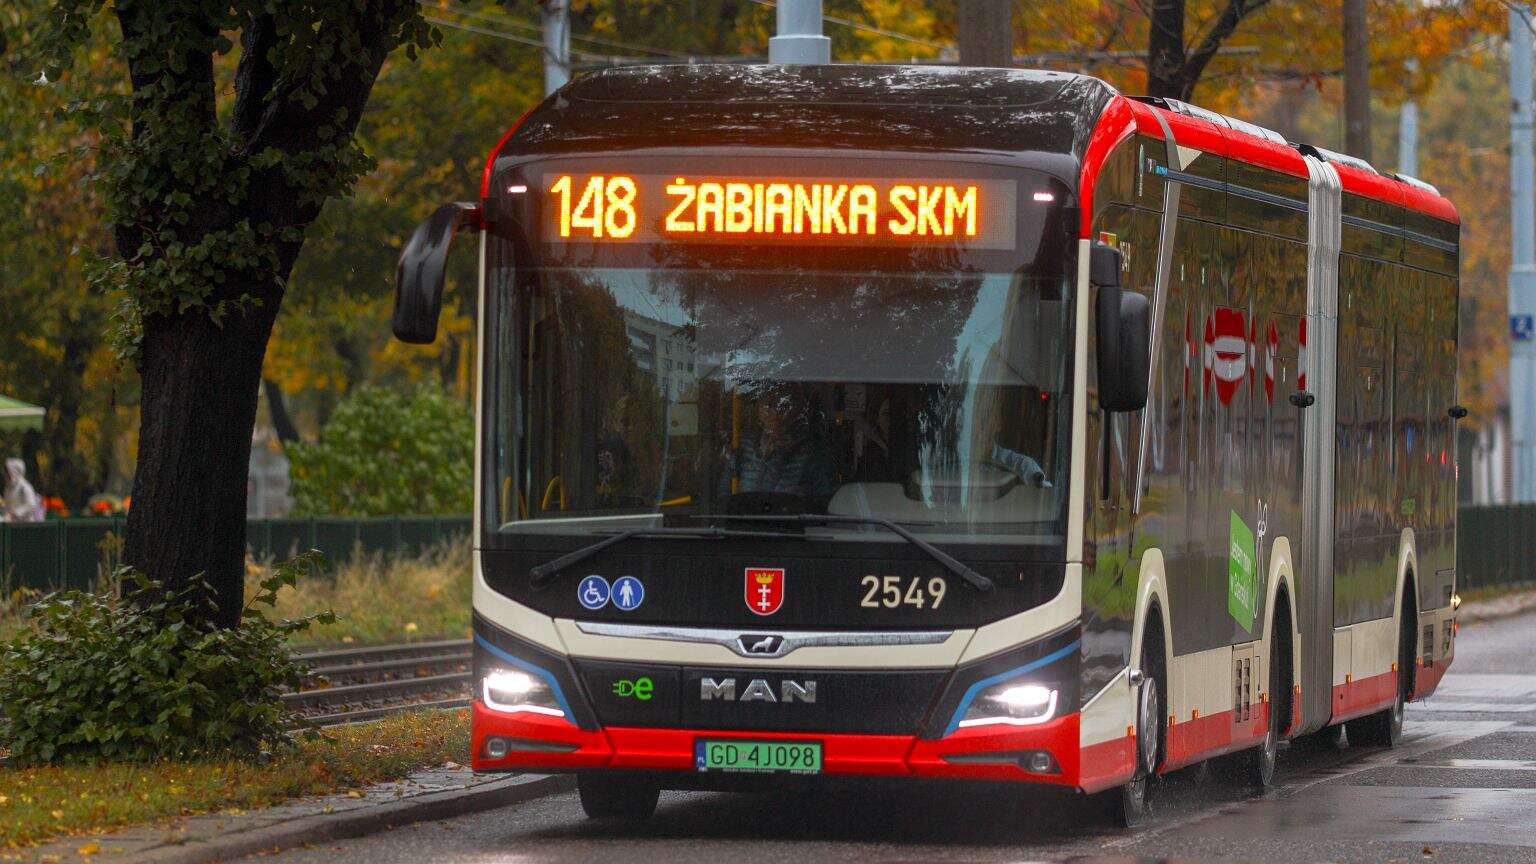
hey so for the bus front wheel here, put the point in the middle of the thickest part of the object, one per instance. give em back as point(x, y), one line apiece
point(617, 796)
point(1131, 804)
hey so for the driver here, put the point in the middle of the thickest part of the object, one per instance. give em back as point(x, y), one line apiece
point(788, 456)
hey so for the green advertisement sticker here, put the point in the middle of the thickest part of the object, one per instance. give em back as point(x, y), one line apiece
point(1241, 603)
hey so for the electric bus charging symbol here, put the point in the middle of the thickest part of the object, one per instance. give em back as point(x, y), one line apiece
point(593, 592)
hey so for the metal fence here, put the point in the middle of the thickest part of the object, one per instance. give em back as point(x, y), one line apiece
point(71, 553)
point(1494, 544)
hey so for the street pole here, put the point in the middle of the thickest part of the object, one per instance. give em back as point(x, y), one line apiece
point(1522, 266)
point(1408, 139)
point(799, 39)
point(1408, 133)
point(557, 44)
point(985, 32)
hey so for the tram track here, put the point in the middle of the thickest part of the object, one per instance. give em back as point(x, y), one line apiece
point(377, 681)
point(351, 685)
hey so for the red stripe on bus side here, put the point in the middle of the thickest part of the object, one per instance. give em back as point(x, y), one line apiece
point(1363, 696)
point(1116, 123)
point(1191, 741)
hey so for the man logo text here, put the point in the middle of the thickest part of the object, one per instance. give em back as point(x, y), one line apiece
point(757, 690)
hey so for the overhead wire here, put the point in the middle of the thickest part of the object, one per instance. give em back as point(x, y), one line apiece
point(455, 9)
point(867, 28)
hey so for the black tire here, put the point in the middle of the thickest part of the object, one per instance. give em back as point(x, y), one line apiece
point(1382, 729)
point(1255, 767)
point(617, 796)
point(1385, 727)
point(1330, 737)
point(1130, 805)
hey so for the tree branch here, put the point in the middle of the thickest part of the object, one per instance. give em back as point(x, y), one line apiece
point(303, 116)
point(170, 68)
point(1225, 24)
point(255, 77)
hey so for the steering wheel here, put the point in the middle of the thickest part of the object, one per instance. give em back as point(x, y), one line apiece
point(768, 504)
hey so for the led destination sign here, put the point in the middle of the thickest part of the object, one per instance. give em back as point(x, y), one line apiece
point(811, 211)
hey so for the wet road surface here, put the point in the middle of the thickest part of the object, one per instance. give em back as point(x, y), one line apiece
point(1461, 787)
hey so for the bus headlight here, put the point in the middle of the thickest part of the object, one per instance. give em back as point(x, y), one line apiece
point(515, 692)
point(1011, 703)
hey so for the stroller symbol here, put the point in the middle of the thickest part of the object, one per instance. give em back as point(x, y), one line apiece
point(593, 592)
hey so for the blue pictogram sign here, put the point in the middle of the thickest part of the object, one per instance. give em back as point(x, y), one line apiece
point(593, 592)
point(628, 593)
point(1522, 328)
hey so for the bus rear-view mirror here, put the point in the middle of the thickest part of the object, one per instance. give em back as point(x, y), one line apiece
point(420, 271)
point(1124, 324)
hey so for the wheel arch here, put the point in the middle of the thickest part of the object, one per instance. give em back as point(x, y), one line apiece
point(1282, 582)
point(1152, 593)
point(1407, 576)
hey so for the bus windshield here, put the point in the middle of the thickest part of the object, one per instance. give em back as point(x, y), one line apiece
point(626, 398)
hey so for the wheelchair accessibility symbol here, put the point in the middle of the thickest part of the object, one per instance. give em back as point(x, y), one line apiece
point(593, 592)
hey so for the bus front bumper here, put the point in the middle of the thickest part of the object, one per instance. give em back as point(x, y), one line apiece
point(1008, 753)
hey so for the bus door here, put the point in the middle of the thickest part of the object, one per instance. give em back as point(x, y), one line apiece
point(1313, 556)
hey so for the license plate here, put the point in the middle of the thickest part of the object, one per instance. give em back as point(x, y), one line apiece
point(789, 757)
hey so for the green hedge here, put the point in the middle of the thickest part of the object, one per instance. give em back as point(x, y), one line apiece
point(69, 553)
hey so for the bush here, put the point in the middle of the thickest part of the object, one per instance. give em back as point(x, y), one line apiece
point(386, 453)
point(139, 676)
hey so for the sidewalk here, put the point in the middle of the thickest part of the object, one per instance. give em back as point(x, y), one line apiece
point(1503, 606)
point(451, 790)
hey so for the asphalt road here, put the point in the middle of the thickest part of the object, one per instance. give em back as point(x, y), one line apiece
point(1461, 787)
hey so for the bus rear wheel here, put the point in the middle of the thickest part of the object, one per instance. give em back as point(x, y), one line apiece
point(617, 796)
point(1385, 727)
point(1256, 766)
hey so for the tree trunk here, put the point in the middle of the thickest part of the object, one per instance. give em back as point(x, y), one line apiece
point(985, 33)
point(1165, 50)
point(277, 406)
point(67, 476)
point(1357, 81)
point(199, 385)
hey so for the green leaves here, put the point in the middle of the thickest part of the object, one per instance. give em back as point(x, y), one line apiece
point(138, 676)
point(201, 198)
point(388, 452)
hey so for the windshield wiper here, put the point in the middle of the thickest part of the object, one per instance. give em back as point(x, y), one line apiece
point(952, 564)
point(544, 573)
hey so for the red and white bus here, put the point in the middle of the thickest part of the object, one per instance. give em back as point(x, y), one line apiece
point(944, 423)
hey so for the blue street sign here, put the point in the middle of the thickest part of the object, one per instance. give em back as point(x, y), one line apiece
point(628, 593)
point(1522, 328)
point(593, 592)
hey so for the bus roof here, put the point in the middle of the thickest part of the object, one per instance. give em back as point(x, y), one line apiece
point(1041, 118)
point(1057, 122)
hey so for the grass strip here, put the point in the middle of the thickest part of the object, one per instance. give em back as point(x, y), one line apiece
point(381, 599)
point(37, 804)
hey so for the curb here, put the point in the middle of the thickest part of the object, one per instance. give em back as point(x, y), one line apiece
point(357, 823)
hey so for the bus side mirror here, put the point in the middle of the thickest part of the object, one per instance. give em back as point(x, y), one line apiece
point(419, 274)
point(1124, 325)
point(1104, 263)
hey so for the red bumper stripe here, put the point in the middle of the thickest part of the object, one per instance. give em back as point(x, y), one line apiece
point(869, 755)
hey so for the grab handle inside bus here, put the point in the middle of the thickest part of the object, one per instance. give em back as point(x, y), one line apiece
point(419, 273)
point(1124, 323)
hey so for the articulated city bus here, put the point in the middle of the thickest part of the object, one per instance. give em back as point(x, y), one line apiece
point(944, 423)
